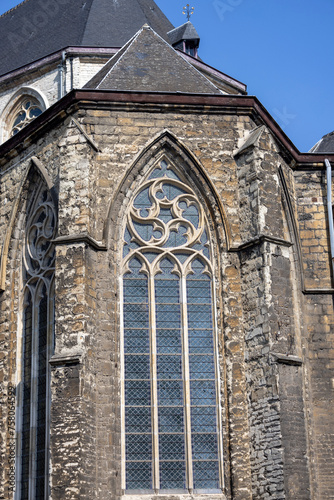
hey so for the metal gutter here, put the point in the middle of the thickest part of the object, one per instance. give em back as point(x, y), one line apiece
point(55, 56)
point(156, 101)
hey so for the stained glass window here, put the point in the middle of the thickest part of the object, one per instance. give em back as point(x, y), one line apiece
point(172, 437)
point(37, 348)
point(28, 110)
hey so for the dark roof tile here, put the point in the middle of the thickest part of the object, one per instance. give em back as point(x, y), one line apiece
point(148, 63)
point(185, 32)
point(325, 145)
point(37, 28)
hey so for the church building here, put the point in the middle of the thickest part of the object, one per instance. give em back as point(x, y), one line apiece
point(166, 270)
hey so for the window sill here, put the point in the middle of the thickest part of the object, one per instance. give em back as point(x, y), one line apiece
point(173, 496)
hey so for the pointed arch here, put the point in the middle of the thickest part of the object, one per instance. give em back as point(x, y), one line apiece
point(33, 164)
point(176, 151)
point(10, 110)
point(170, 376)
point(35, 332)
point(292, 224)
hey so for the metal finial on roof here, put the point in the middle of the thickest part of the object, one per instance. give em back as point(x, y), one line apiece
point(188, 11)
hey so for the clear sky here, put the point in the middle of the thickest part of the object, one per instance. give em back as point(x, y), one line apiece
point(279, 48)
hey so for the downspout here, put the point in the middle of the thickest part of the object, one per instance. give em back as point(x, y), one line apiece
point(330, 209)
point(62, 69)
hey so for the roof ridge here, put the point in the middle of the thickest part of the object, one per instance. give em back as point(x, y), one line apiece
point(128, 44)
point(13, 8)
point(185, 60)
point(86, 22)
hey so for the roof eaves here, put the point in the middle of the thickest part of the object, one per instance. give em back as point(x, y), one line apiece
point(215, 72)
point(249, 104)
point(54, 56)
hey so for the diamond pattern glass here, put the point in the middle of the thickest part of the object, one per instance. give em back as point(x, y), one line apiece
point(206, 475)
point(171, 447)
point(170, 392)
point(137, 392)
point(169, 367)
point(171, 419)
point(138, 475)
point(172, 475)
point(204, 417)
point(139, 446)
point(138, 419)
point(136, 341)
point(169, 345)
point(204, 446)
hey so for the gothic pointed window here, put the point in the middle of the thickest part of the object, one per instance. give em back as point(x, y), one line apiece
point(171, 413)
point(37, 347)
point(28, 109)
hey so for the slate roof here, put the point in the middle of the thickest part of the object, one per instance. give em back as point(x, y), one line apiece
point(36, 28)
point(185, 32)
point(325, 145)
point(148, 63)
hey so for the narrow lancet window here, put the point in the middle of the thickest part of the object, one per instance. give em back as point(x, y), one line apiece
point(37, 346)
point(172, 435)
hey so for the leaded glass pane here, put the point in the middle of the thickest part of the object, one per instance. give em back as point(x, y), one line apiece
point(147, 231)
point(142, 202)
point(169, 192)
point(201, 367)
point(203, 392)
point(172, 475)
point(137, 367)
point(204, 417)
point(136, 341)
point(139, 475)
point(137, 392)
point(38, 342)
point(190, 213)
point(139, 446)
point(162, 171)
point(171, 419)
point(169, 345)
point(204, 446)
point(178, 238)
point(26, 399)
point(206, 475)
point(168, 341)
point(200, 341)
point(41, 405)
point(171, 447)
point(138, 419)
point(170, 392)
point(169, 367)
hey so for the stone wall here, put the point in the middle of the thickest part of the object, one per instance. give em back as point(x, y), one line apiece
point(275, 342)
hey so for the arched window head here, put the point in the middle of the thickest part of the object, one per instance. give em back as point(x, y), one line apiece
point(37, 348)
point(171, 413)
point(28, 109)
point(23, 107)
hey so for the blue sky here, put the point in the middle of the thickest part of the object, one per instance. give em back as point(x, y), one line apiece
point(279, 48)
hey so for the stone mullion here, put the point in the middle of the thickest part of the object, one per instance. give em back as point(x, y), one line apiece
point(34, 394)
point(154, 382)
point(218, 386)
point(186, 382)
point(123, 447)
point(49, 353)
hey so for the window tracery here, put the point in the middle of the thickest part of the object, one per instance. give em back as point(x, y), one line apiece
point(172, 437)
point(37, 347)
point(29, 109)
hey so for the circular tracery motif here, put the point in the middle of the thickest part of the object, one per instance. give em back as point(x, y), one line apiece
point(165, 216)
point(29, 109)
point(41, 226)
